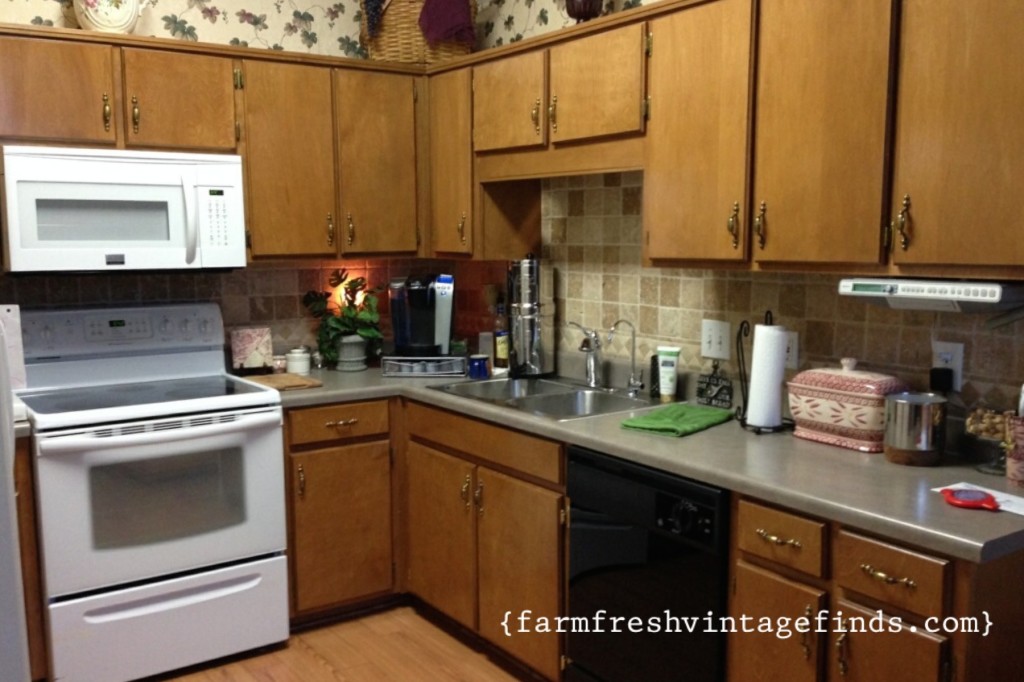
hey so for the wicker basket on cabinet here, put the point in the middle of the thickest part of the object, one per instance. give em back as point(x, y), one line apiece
point(399, 38)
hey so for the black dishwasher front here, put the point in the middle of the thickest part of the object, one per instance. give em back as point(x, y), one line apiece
point(647, 573)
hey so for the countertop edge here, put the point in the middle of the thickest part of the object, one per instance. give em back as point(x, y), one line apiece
point(740, 452)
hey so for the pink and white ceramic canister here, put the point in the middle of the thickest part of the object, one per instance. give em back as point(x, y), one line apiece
point(1015, 451)
point(842, 406)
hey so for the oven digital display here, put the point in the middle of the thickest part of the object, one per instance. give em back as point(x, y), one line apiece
point(116, 324)
point(216, 192)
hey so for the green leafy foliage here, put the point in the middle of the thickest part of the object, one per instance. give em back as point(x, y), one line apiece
point(357, 313)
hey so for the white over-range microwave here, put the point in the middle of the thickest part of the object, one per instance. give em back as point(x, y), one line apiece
point(66, 209)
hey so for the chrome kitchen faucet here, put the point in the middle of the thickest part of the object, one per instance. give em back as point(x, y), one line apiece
point(636, 381)
point(591, 345)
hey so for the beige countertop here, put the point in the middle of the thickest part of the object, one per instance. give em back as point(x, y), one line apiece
point(862, 491)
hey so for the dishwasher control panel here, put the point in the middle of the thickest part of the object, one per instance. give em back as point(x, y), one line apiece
point(684, 517)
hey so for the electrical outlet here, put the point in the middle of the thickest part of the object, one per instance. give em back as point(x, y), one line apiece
point(792, 350)
point(947, 354)
point(714, 339)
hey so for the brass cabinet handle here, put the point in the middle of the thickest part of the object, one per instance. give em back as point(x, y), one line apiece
point(351, 230)
point(462, 228)
point(553, 113)
point(759, 223)
point(733, 224)
point(302, 481)
point(535, 116)
point(106, 111)
point(340, 423)
point(478, 497)
point(841, 654)
point(776, 540)
point(136, 114)
point(884, 577)
point(464, 493)
point(330, 229)
point(805, 638)
point(901, 223)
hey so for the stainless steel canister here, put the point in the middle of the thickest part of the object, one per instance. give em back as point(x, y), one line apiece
point(915, 428)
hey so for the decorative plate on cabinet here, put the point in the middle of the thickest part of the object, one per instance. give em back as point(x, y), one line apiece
point(109, 16)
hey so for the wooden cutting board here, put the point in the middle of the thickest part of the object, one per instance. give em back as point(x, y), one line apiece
point(285, 382)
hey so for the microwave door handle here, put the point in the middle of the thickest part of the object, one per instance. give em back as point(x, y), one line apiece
point(188, 193)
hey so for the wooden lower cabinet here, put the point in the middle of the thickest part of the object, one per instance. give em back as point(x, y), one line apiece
point(765, 656)
point(31, 569)
point(340, 540)
point(484, 545)
point(877, 647)
point(884, 603)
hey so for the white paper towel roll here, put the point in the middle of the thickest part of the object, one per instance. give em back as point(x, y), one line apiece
point(767, 367)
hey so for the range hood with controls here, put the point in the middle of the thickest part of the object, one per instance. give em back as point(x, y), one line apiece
point(937, 295)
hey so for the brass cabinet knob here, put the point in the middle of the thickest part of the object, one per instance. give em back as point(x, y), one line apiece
point(107, 114)
point(759, 224)
point(535, 116)
point(136, 113)
point(351, 230)
point(733, 225)
point(902, 223)
point(330, 229)
point(462, 228)
point(553, 113)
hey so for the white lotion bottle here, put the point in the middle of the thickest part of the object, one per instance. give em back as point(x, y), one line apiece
point(668, 366)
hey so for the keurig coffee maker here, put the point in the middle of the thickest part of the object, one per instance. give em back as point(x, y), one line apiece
point(531, 324)
point(421, 314)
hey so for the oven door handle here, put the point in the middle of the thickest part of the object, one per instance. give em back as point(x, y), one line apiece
point(63, 445)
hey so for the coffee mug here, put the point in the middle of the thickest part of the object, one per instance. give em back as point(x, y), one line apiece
point(478, 366)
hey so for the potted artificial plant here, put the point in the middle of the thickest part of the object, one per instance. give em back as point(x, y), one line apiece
point(348, 325)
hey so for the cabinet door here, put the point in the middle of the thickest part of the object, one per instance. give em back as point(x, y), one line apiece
point(820, 139)
point(877, 648)
point(696, 147)
point(510, 102)
point(519, 554)
point(178, 100)
point(597, 85)
point(451, 162)
point(57, 91)
point(289, 159)
point(761, 595)
point(341, 504)
point(959, 149)
point(442, 531)
point(376, 138)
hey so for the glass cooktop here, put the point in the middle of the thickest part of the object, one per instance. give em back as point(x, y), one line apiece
point(64, 400)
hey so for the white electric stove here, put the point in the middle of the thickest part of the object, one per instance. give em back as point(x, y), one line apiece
point(160, 482)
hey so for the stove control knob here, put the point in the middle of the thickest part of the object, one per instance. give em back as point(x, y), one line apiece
point(166, 327)
point(46, 333)
point(186, 328)
point(205, 327)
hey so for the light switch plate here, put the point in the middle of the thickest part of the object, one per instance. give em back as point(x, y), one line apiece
point(714, 339)
point(947, 354)
point(793, 351)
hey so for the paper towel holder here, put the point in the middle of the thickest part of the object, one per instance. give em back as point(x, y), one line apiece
point(741, 409)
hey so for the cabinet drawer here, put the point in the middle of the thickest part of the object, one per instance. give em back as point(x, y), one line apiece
point(908, 580)
point(512, 449)
point(782, 537)
point(337, 422)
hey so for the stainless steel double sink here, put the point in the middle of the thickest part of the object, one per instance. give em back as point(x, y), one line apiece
point(557, 399)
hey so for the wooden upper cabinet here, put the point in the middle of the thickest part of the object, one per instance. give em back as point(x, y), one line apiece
point(57, 91)
point(695, 156)
point(596, 90)
point(959, 143)
point(181, 100)
point(451, 162)
point(376, 141)
point(289, 159)
point(510, 102)
point(820, 136)
point(597, 85)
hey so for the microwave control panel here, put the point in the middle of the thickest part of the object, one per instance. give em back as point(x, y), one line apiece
point(214, 217)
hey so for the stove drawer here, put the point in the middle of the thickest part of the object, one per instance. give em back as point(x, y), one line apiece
point(169, 624)
point(337, 422)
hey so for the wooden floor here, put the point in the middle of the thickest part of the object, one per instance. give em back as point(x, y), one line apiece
point(392, 645)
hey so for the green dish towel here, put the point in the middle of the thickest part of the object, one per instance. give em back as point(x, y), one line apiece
point(678, 419)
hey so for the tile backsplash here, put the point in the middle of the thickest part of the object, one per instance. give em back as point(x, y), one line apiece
point(592, 231)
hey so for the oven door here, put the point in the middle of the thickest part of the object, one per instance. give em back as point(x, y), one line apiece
point(129, 502)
